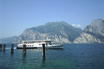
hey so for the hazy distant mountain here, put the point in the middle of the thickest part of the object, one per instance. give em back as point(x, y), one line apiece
point(60, 32)
point(93, 33)
point(9, 39)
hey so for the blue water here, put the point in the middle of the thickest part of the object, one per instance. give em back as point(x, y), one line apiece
point(73, 56)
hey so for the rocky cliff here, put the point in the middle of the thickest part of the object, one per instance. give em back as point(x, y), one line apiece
point(93, 33)
point(60, 32)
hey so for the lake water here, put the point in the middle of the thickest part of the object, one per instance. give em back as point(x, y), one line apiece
point(73, 56)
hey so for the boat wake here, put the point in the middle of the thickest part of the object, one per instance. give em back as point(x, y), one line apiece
point(10, 48)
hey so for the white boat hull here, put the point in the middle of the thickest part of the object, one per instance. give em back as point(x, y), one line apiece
point(40, 46)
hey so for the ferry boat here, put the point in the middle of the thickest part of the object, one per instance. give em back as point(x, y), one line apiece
point(35, 44)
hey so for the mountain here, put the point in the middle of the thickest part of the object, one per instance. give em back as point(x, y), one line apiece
point(60, 32)
point(93, 33)
point(9, 39)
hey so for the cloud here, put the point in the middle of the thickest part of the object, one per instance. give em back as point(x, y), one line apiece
point(73, 24)
point(76, 25)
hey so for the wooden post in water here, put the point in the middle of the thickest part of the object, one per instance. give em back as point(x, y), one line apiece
point(12, 49)
point(43, 45)
point(24, 49)
point(0, 46)
point(4, 48)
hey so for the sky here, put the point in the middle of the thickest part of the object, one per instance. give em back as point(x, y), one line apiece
point(17, 15)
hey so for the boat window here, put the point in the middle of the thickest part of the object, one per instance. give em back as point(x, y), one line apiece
point(46, 43)
point(50, 43)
